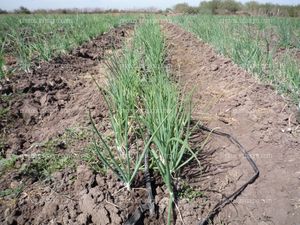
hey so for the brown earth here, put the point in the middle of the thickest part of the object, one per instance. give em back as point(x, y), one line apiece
point(55, 93)
point(55, 97)
point(228, 98)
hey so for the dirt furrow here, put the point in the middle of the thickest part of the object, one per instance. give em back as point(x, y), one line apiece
point(228, 98)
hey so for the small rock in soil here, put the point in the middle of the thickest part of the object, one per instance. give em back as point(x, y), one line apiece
point(214, 68)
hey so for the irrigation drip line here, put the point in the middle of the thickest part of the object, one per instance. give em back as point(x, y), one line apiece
point(149, 186)
point(138, 213)
point(235, 194)
point(150, 205)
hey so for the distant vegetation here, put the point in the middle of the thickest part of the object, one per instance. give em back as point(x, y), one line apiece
point(3, 11)
point(24, 10)
point(252, 8)
point(215, 7)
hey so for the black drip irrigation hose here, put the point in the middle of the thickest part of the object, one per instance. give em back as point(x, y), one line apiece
point(151, 201)
point(138, 213)
point(234, 195)
point(150, 205)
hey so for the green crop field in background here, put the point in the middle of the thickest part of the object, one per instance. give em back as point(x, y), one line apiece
point(33, 38)
point(267, 47)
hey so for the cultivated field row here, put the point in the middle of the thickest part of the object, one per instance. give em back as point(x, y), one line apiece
point(100, 119)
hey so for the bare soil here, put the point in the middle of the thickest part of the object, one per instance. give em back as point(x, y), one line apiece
point(55, 97)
